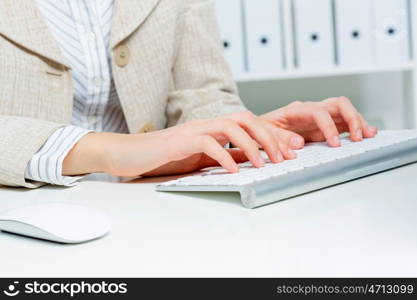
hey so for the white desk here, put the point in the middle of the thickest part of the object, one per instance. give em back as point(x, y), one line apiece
point(363, 228)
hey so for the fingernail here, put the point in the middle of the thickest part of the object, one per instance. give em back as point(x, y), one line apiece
point(260, 161)
point(279, 157)
point(292, 153)
point(336, 141)
point(297, 142)
point(359, 134)
point(373, 129)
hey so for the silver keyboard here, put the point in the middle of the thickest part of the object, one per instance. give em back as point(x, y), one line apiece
point(316, 166)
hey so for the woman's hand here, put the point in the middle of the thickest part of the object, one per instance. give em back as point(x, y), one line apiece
point(323, 121)
point(278, 143)
point(183, 148)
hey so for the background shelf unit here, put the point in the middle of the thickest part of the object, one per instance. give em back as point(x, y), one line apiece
point(336, 71)
point(403, 76)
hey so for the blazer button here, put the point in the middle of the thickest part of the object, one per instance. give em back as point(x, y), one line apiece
point(148, 127)
point(122, 55)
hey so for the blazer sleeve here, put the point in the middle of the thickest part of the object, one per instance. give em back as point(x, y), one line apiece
point(203, 82)
point(46, 164)
point(20, 139)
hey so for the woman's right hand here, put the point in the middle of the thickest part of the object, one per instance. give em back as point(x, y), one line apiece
point(181, 149)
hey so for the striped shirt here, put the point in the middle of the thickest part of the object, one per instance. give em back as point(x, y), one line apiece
point(82, 29)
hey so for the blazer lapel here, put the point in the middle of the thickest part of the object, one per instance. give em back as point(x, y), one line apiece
point(129, 15)
point(22, 23)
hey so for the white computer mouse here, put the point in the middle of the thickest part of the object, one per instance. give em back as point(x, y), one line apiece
point(57, 222)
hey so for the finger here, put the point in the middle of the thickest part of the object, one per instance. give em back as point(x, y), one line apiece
point(240, 138)
point(294, 140)
point(285, 139)
point(327, 126)
point(208, 145)
point(264, 135)
point(297, 141)
point(374, 130)
point(238, 156)
point(287, 151)
point(351, 117)
point(284, 144)
point(368, 131)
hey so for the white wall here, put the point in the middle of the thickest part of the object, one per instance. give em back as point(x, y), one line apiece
point(378, 96)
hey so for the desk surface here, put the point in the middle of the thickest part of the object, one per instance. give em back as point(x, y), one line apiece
point(367, 227)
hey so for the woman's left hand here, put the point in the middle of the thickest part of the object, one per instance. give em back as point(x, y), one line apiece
point(323, 121)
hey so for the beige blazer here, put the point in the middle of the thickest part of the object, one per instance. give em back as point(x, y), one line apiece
point(167, 62)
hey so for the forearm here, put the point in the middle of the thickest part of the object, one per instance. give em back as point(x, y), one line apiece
point(116, 154)
point(87, 156)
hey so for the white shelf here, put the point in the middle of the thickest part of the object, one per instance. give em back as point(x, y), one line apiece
point(336, 71)
point(408, 70)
